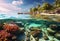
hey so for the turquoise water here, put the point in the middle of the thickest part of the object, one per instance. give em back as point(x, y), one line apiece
point(35, 23)
point(17, 16)
point(27, 22)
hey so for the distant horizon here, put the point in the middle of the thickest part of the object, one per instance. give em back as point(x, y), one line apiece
point(12, 7)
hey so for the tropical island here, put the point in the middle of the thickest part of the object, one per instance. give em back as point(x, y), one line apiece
point(46, 10)
point(41, 23)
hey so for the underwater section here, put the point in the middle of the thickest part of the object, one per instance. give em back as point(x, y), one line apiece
point(30, 30)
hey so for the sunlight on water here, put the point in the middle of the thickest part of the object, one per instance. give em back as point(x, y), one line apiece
point(34, 25)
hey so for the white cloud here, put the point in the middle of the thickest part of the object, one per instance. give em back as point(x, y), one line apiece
point(8, 7)
point(2, 9)
point(19, 2)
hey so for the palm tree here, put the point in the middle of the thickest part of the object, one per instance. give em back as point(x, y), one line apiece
point(57, 3)
point(46, 7)
point(34, 11)
point(39, 8)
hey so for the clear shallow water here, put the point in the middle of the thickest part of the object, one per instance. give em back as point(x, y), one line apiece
point(17, 16)
point(27, 22)
point(36, 23)
point(21, 37)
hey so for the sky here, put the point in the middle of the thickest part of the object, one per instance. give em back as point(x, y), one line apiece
point(12, 7)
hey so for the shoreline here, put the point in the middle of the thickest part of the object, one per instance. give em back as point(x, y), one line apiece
point(50, 14)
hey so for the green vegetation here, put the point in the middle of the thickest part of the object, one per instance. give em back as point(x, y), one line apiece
point(57, 3)
point(45, 8)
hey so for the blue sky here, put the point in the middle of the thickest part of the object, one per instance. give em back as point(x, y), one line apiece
point(12, 7)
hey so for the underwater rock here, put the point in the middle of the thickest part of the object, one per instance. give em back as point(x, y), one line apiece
point(53, 27)
point(50, 31)
point(36, 33)
point(46, 38)
point(57, 35)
